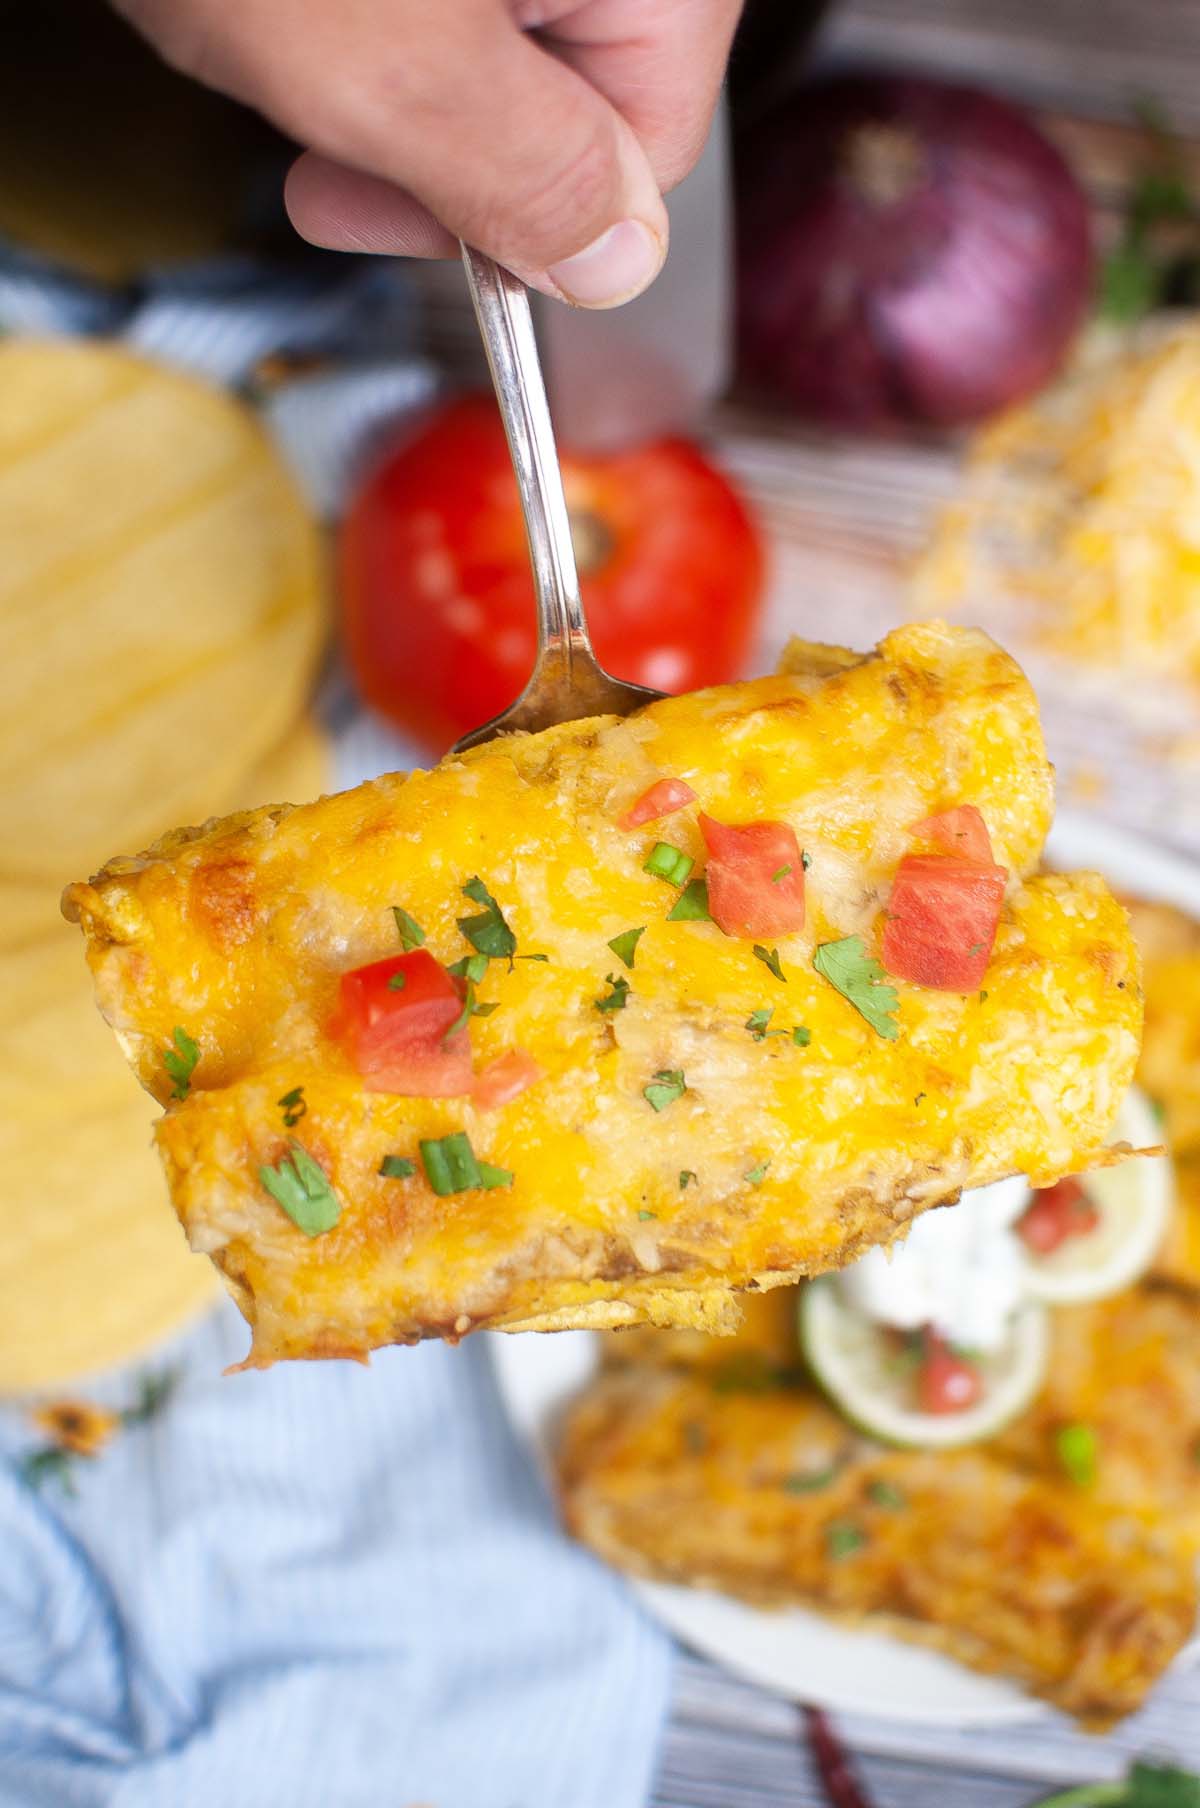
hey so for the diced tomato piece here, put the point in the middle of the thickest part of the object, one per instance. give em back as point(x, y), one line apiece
point(1055, 1214)
point(396, 1034)
point(755, 877)
point(942, 919)
point(946, 1383)
point(959, 831)
point(505, 1079)
point(662, 799)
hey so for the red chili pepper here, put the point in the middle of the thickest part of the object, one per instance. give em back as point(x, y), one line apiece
point(842, 1788)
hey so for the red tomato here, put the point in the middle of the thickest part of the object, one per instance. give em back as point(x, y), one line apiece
point(941, 921)
point(946, 1383)
point(959, 831)
point(1055, 1214)
point(396, 1036)
point(437, 596)
point(662, 799)
point(755, 876)
point(505, 1079)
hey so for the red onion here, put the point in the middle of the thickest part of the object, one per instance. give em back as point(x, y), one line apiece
point(909, 251)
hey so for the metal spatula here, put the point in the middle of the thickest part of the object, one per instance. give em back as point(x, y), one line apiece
point(567, 681)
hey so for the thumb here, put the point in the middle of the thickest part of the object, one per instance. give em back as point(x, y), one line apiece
point(507, 148)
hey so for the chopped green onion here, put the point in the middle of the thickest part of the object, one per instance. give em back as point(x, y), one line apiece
point(801, 1035)
point(488, 932)
point(614, 1000)
point(691, 906)
point(770, 959)
point(1077, 1449)
point(688, 1175)
point(758, 1173)
point(451, 1167)
point(886, 1494)
point(180, 1062)
point(843, 1538)
point(667, 1086)
point(397, 1167)
point(490, 1177)
point(669, 863)
point(301, 1186)
point(411, 933)
point(624, 946)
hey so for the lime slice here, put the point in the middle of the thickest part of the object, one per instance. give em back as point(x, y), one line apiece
point(856, 1362)
point(1134, 1201)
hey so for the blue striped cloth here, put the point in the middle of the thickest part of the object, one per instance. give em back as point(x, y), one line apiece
point(324, 1586)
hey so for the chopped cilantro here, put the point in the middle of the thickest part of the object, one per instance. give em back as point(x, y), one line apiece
point(301, 1186)
point(397, 982)
point(410, 931)
point(667, 1085)
point(1077, 1449)
point(451, 1167)
point(615, 999)
point(886, 1494)
point(806, 861)
point(643, 1215)
point(669, 863)
point(488, 933)
point(536, 957)
point(472, 967)
point(180, 1062)
point(691, 906)
point(801, 1035)
point(809, 1481)
point(624, 946)
point(293, 1105)
point(758, 1173)
point(843, 1538)
point(688, 1175)
point(757, 1023)
point(858, 976)
point(770, 959)
point(397, 1167)
point(781, 872)
point(471, 1007)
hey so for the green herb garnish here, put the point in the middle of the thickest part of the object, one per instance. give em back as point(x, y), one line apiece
point(858, 976)
point(780, 873)
point(624, 946)
point(536, 957)
point(809, 1481)
point(180, 1062)
point(806, 861)
point(471, 1007)
point(1077, 1449)
point(758, 1173)
point(397, 982)
point(397, 1167)
point(644, 1215)
point(410, 931)
point(669, 863)
point(886, 1494)
point(451, 1167)
point(770, 959)
point(688, 1175)
point(488, 932)
point(472, 966)
point(613, 1000)
point(801, 1035)
point(667, 1085)
point(843, 1538)
point(757, 1023)
point(293, 1105)
point(301, 1186)
point(691, 906)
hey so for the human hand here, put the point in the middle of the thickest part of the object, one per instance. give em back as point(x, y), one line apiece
point(544, 132)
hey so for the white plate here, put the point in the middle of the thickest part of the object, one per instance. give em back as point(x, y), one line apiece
point(795, 1653)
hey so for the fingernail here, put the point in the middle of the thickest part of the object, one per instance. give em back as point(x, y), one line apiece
point(613, 268)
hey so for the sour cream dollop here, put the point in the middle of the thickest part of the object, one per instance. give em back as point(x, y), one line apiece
point(961, 1269)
